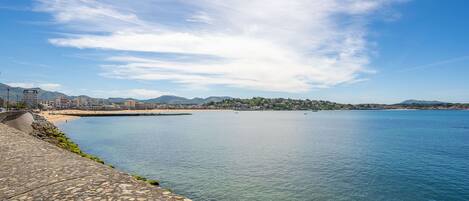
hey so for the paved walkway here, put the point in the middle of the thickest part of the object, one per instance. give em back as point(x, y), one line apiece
point(31, 169)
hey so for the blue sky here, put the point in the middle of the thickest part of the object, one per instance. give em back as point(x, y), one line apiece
point(347, 51)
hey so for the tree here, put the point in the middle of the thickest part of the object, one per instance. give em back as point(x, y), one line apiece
point(20, 106)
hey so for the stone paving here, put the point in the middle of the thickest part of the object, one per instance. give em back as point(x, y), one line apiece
point(31, 169)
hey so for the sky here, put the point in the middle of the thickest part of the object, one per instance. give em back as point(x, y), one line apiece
point(348, 51)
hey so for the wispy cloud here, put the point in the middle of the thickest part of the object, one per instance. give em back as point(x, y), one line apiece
point(35, 64)
point(50, 86)
point(436, 63)
point(145, 93)
point(283, 45)
point(45, 86)
point(125, 93)
point(201, 17)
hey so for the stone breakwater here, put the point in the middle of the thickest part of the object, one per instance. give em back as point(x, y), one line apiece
point(34, 167)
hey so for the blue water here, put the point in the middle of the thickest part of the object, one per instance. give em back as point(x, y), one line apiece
point(326, 155)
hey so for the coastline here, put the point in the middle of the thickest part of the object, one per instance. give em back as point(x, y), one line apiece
point(57, 118)
point(61, 116)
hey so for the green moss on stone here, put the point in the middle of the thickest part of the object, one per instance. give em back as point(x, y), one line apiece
point(138, 177)
point(153, 182)
point(150, 181)
point(66, 143)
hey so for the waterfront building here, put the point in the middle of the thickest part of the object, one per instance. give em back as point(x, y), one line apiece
point(130, 104)
point(94, 102)
point(47, 104)
point(143, 106)
point(30, 98)
point(62, 102)
point(81, 102)
point(75, 103)
point(140, 106)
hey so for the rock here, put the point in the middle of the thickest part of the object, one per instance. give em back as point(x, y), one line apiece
point(19, 120)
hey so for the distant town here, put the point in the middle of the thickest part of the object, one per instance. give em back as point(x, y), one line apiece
point(30, 100)
point(16, 98)
point(259, 103)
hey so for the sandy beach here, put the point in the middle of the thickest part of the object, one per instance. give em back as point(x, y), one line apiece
point(57, 118)
point(61, 116)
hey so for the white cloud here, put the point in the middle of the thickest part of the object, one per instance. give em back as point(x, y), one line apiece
point(45, 86)
point(282, 45)
point(201, 17)
point(126, 93)
point(145, 93)
point(50, 86)
point(21, 84)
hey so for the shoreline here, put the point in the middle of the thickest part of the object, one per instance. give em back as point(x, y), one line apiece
point(61, 116)
point(57, 119)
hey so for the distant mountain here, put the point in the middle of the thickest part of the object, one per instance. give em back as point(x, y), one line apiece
point(216, 99)
point(17, 92)
point(256, 103)
point(167, 99)
point(422, 102)
point(119, 100)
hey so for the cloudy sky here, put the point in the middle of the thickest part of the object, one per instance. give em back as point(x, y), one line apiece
point(353, 51)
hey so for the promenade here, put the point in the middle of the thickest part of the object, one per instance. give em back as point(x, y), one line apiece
point(31, 169)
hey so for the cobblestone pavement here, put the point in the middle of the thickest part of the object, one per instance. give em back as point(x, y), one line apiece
point(31, 169)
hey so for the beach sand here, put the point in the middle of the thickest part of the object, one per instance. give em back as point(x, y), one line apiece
point(57, 118)
point(60, 116)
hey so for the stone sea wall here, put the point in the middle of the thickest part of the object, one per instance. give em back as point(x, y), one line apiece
point(38, 162)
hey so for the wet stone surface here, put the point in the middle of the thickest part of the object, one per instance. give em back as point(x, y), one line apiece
point(31, 169)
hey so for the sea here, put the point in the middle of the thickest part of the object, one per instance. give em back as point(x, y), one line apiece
point(289, 155)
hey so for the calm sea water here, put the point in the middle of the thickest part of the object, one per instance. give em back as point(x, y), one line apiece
point(326, 155)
